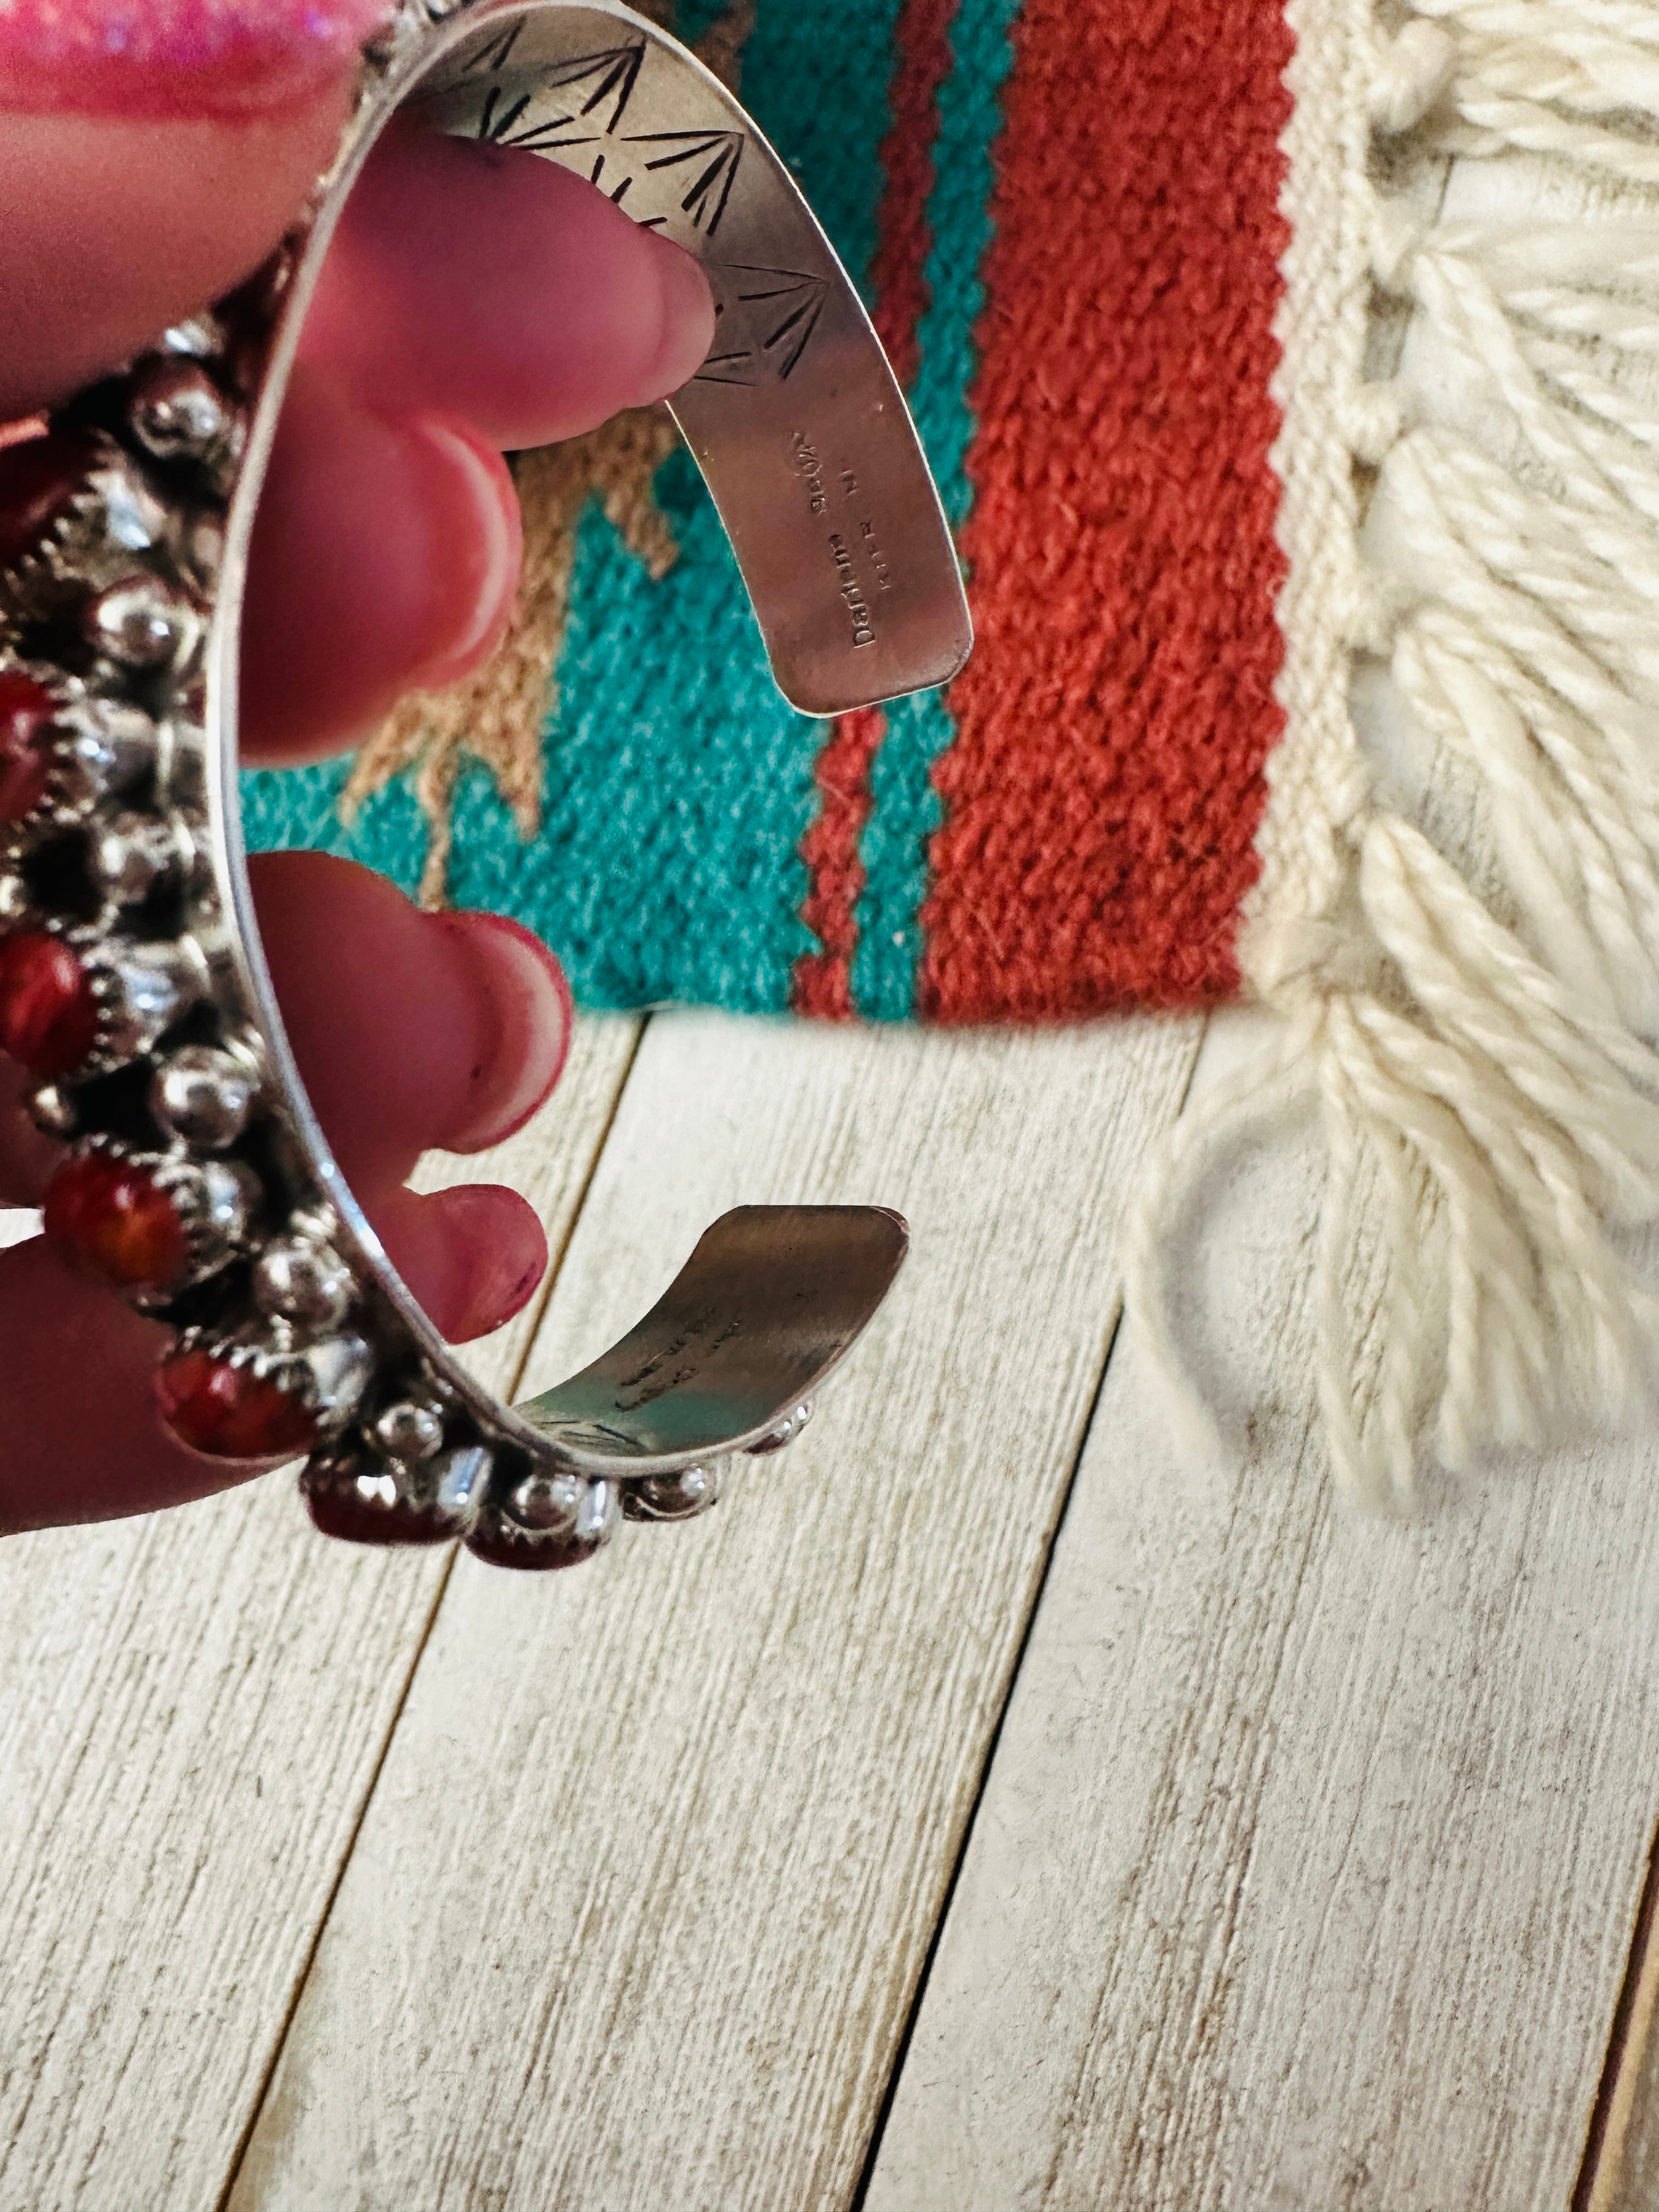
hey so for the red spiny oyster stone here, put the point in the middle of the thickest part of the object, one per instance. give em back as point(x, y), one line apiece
point(27, 710)
point(38, 479)
point(48, 1014)
point(230, 1413)
point(112, 1221)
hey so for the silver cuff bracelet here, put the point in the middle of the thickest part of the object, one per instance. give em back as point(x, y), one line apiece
point(133, 989)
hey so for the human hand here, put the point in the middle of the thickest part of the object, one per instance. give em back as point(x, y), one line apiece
point(152, 152)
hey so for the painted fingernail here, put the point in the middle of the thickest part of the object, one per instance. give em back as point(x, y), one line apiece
point(473, 1255)
point(497, 1249)
point(688, 319)
point(176, 58)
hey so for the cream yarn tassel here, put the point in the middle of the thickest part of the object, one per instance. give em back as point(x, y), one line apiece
point(1472, 1035)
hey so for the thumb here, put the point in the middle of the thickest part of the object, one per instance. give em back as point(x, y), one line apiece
point(152, 153)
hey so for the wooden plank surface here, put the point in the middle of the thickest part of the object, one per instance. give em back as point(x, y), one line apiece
point(1306, 1867)
point(1622, 2171)
point(195, 1705)
point(647, 1877)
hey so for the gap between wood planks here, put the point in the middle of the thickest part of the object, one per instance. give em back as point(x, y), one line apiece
point(556, 1263)
point(724, 1777)
point(901, 2049)
point(1292, 1889)
point(1621, 2167)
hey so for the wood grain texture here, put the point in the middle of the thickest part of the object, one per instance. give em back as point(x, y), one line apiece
point(196, 1705)
point(649, 1873)
point(1622, 2174)
point(1306, 1866)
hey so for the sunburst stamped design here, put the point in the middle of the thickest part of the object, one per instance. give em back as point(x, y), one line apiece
point(716, 157)
point(609, 75)
point(766, 319)
point(583, 102)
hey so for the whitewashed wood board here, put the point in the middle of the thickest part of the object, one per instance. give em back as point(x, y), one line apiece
point(1307, 1865)
point(647, 1881)
point(195, 1705)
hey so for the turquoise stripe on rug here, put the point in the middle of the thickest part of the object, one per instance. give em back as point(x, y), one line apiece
point(678, 784)
point(905, 808)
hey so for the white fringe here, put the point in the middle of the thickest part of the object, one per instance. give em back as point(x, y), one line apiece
point(1476, 1055)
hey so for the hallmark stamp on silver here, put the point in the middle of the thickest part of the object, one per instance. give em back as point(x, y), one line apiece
point(854, 610)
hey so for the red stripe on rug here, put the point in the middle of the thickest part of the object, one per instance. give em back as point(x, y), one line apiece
point(898, 275)
point(1105, 786)
point(823, 981)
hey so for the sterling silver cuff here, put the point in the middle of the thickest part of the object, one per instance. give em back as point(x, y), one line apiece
point(133, 988)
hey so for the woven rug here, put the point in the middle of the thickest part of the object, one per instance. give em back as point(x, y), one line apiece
point(1289, 375)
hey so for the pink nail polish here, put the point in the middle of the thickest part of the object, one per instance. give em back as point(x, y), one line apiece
point(175, 58)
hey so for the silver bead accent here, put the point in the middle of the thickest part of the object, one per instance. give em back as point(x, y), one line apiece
point(547, 1503)
point(455, 1482)
point(340, 1368)
point(200, 338)
point(142, 990)
point(132, 854)
point(785, 1433)
point(14, 900)
point(298, 1280)
point(109, 747)
point(409, 1431)
point(226, 1196)
point(679, 1497)
point(203, 1096)
point(142, 621)
point(546, 1522)
point(53, 1111)
point(178, 412)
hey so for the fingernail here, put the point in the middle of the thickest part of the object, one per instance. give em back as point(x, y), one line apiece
point(176, 58)
point(473, 1255)
point(528, 999)
point(498, 1249)
point(688, 319)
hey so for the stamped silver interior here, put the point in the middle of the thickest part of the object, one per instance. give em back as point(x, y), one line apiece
point(795, 419)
